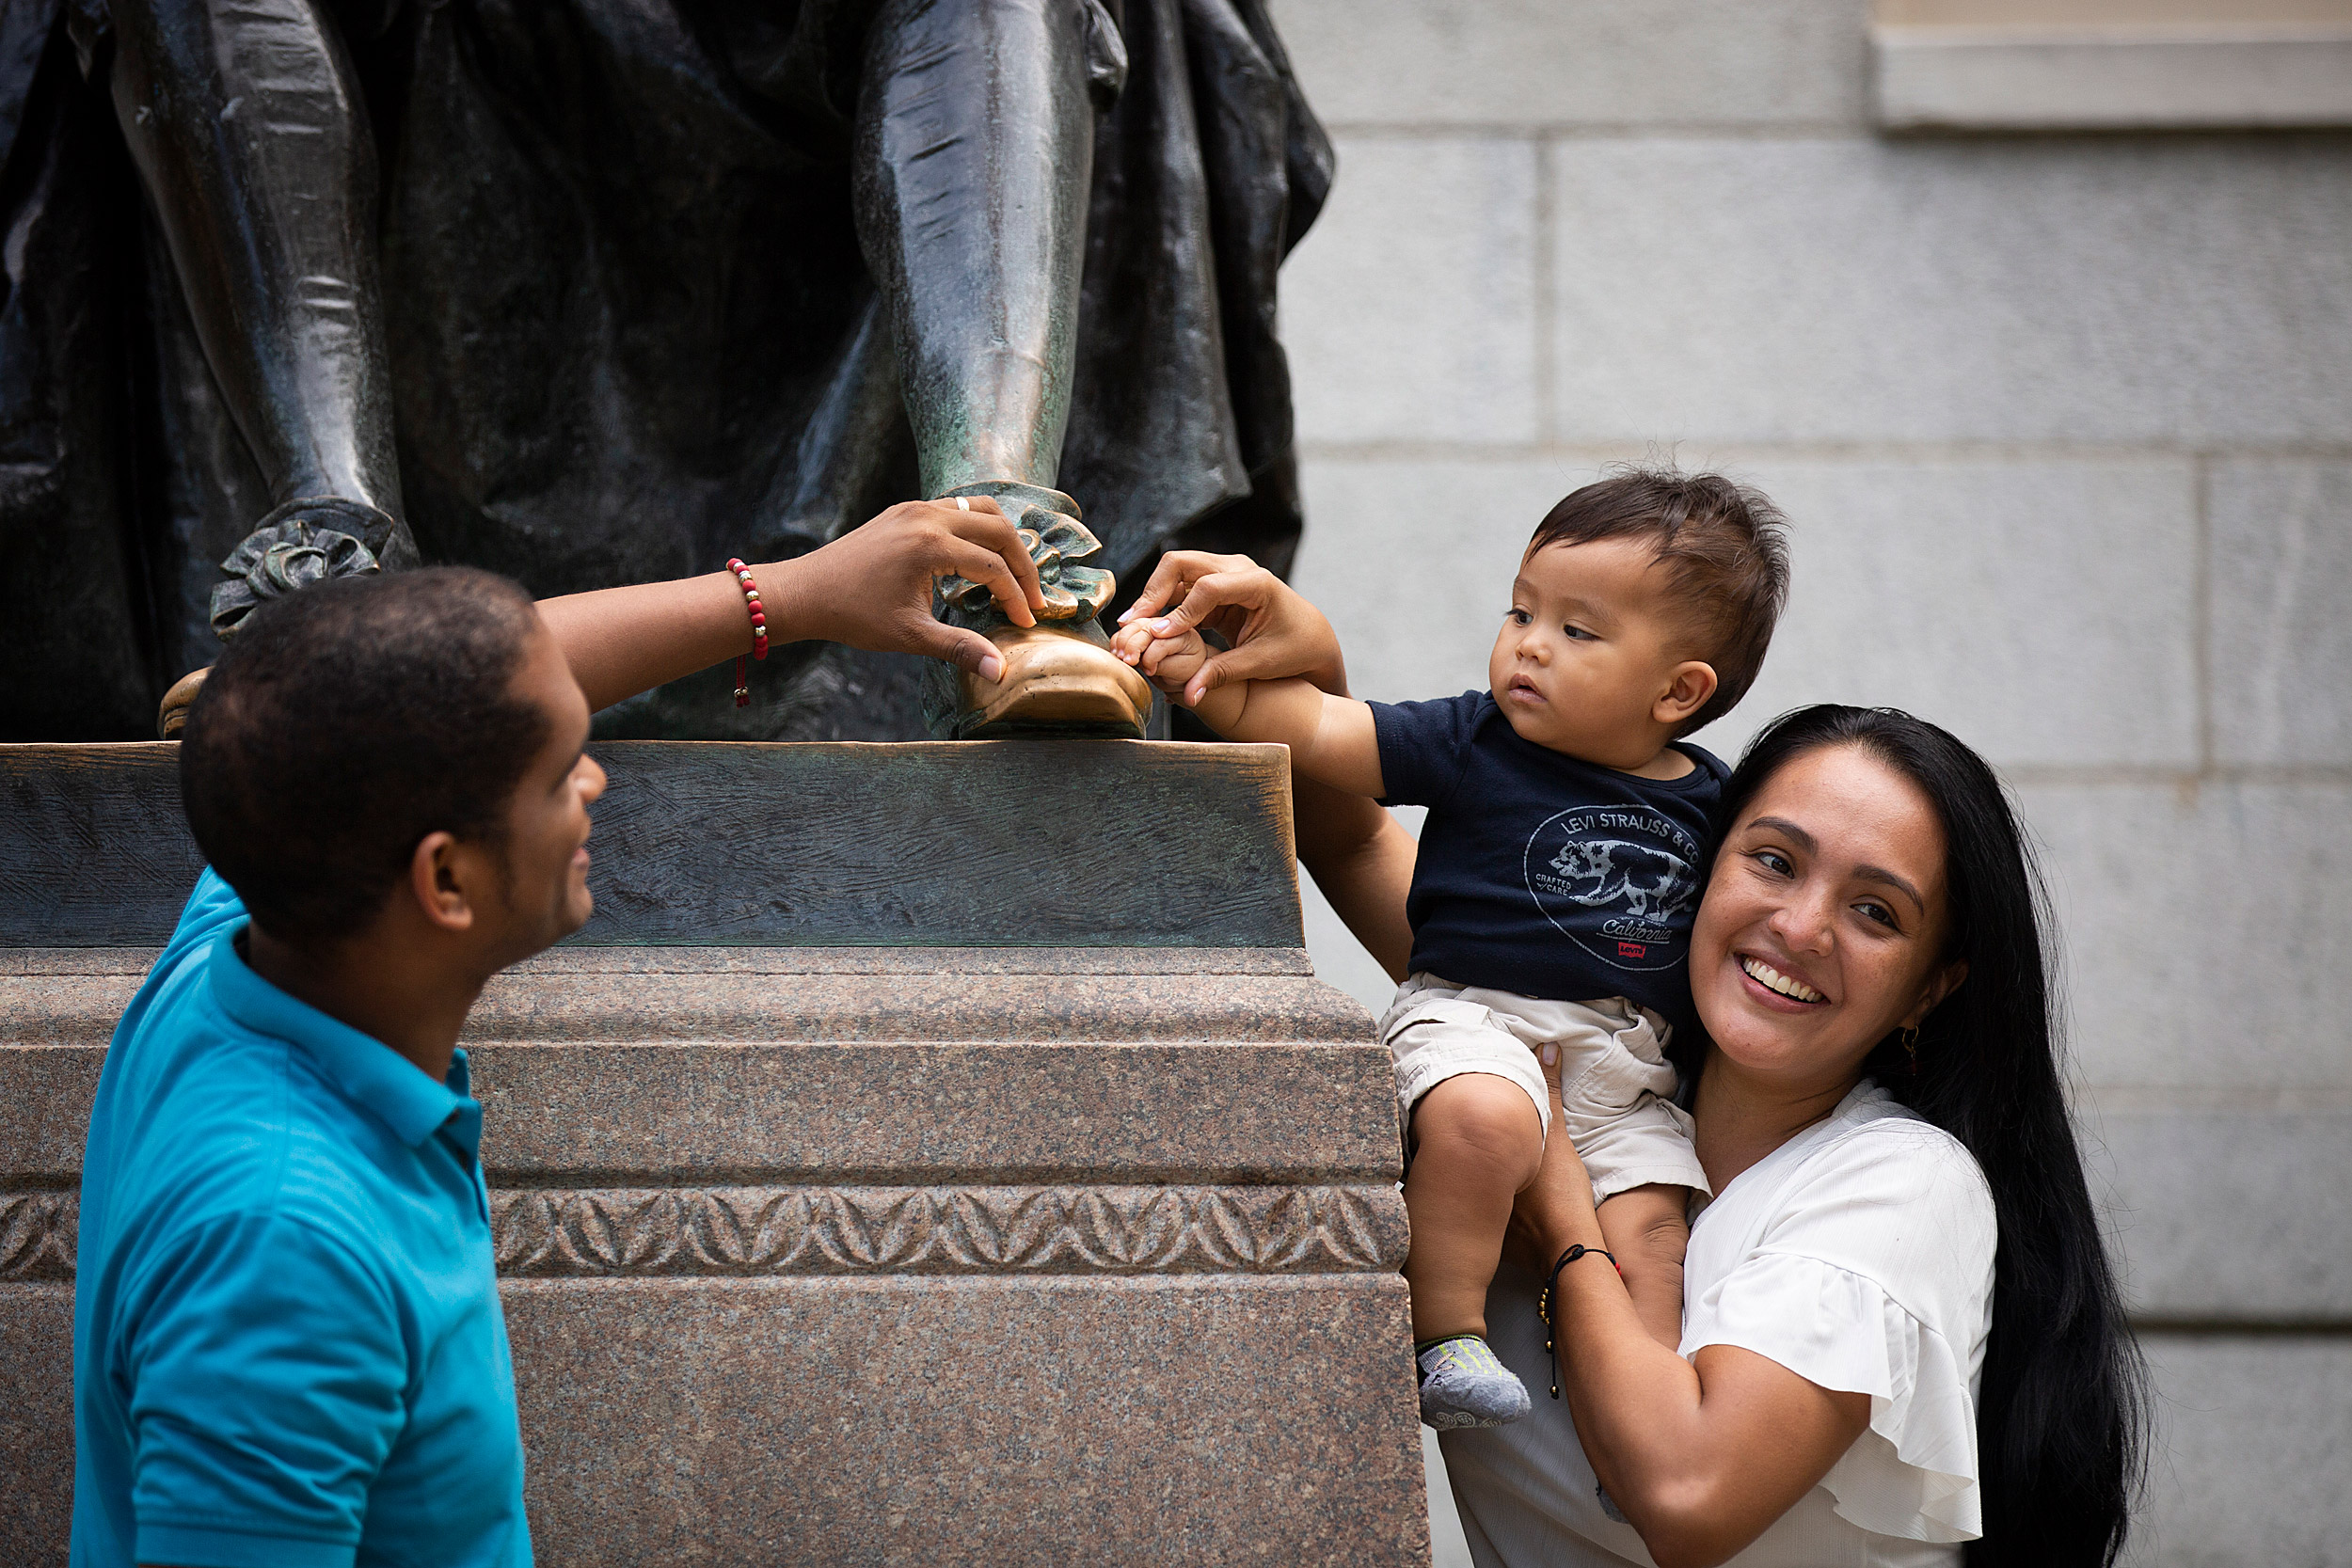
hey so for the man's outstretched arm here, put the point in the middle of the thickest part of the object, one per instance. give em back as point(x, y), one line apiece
point(871, 588)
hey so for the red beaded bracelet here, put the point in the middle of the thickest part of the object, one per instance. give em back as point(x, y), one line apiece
point(759, 631)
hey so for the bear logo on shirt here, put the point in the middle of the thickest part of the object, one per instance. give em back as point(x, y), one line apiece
point(1643, 883)
point(1621, 882)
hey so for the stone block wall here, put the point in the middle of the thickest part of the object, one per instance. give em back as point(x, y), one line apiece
point(2064, 425)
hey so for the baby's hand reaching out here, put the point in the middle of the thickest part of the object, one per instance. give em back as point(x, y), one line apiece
point(1167, 662)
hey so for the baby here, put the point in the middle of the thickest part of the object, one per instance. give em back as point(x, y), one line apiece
point(1559, 870)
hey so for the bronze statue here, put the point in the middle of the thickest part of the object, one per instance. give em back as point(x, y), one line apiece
point(590, 292)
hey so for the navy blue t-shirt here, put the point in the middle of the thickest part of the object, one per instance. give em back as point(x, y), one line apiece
point(1540, 874)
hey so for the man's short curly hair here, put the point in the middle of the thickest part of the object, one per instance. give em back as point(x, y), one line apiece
point(346, 724)
point(1725, 550)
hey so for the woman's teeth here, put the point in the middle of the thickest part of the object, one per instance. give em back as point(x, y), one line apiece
point(1772, 979)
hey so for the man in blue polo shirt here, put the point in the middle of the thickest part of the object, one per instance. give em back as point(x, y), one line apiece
point(288, 1343)
point(287, 1346)
point(302, 1234)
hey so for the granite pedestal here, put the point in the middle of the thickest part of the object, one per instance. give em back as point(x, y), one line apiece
point(929, 1154)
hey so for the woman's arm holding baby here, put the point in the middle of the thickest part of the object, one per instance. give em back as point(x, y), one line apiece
point(1701, 1455)
point(1646, 1231)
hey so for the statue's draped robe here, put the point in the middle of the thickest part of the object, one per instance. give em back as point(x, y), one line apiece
point(630, 327)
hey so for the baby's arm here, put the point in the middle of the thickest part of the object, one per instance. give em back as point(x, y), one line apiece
point(1331, 739)
point(1646, 1229)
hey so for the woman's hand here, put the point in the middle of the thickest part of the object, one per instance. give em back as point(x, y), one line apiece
point(1702, 1455)
point(1556, 1211)
point(1274, 633)
point(1357, 853)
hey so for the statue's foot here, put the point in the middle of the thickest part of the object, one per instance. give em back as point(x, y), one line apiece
point(1060, 677)
point(171, 715)
point(306, 541)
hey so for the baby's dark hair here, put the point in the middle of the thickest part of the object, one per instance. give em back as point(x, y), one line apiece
point(1725, 548)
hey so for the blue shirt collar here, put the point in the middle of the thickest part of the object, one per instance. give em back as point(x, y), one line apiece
point(369, 1073)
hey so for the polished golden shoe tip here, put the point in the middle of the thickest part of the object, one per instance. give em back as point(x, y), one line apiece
point(172, 714)
point(1060, 677)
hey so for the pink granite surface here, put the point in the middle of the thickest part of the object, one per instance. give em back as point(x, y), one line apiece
point(872, 1257)
point(970, 1421)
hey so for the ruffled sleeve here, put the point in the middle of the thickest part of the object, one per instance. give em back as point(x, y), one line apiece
point(1875, 1276)
point(1913, 1473)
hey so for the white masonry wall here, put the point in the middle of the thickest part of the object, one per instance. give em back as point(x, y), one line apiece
point(2064, 425)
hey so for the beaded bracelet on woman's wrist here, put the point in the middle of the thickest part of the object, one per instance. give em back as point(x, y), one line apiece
point(1543, 1301)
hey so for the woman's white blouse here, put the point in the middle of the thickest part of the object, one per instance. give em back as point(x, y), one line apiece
point(1858, 1255)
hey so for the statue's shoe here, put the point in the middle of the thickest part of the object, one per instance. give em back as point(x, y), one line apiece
point(172, 714)
point(1060, 677)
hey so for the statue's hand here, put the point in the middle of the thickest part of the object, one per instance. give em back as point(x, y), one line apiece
point(872, 587)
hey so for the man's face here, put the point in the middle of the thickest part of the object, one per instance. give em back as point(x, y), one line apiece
point(546, 895)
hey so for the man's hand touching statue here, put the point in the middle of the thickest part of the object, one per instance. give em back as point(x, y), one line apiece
point(1055, 674)
point(872, 589)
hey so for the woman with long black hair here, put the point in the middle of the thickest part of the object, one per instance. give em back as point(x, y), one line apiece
point(1903, 1342)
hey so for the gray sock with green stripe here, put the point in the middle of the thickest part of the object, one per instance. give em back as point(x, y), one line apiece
point(1463, 1384)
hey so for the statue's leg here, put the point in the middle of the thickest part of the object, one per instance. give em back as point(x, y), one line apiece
point(975, 166)
point(248, 128)
point(976, 157)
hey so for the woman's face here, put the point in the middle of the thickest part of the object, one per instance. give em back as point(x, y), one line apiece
point(1824, 924)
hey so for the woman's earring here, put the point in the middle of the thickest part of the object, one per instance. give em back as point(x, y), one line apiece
point(1911, 1048)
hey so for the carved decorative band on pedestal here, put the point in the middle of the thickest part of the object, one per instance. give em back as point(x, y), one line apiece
point(953, 1230)
point(656, 1232)
point(36, 1234)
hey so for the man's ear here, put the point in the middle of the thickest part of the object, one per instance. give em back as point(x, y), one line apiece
point(1687, 691)
point(1940, 985)
point(438, 871)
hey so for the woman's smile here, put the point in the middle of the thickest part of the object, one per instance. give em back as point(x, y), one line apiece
point(1777, 985)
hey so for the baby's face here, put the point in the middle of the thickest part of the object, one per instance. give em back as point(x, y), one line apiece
point(1590, 645)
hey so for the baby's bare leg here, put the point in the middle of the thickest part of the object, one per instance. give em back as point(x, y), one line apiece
point(1478, 1140)
point(1646, 1229)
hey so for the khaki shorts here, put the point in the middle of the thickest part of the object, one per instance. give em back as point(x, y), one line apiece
point(1616, 1092)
